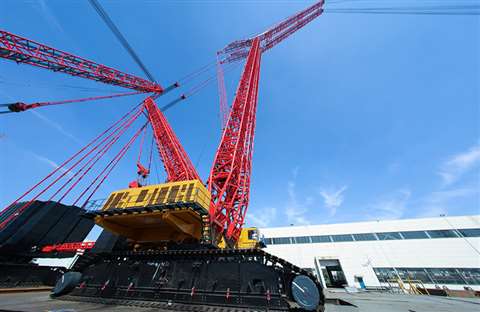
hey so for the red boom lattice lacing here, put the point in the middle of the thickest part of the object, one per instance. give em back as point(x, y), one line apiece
point(229, 181)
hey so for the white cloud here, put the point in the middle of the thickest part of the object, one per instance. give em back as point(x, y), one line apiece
point(433, 211)
point(294, 210)
point(48, 121)
point(263, 218)
point(440, 201)
point(333, 199)
point(295, 173)
point(47, 13)
point(55, 126)
point(51, 163)
point(49, 16)
point(437, 203)
point(392, 206)
point(443, 196)
point(457, 165)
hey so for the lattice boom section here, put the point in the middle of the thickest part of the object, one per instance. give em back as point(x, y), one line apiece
point(175, 160)
point(22, 50)
point(229, 181)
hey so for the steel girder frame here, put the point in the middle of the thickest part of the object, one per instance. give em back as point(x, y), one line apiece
point(238, 50)
point(175, 160)
point(229, 181)
point(22, 50)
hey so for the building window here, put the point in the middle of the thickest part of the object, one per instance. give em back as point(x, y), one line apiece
point(418, 274)
point(321, 239)
point(281, 240)
point(471, 276)
point(414, 235)
point(342, 238)
point(388, 236)
point(469, 232)
point(441, 276)
point(364, 237)
point(442, 233)
point(385, 274)
point(302, 239)
point(446, 276)
point(374, 236)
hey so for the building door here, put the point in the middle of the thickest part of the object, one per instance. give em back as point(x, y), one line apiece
point(332, 273)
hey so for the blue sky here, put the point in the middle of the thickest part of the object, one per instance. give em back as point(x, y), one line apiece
point(360, 117)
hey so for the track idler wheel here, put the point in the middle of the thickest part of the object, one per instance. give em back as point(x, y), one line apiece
point(66, 283)
point(305, 293)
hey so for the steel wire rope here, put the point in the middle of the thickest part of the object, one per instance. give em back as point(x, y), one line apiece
point(195, 89)
point(111, 25)
point(112, 163)
point(461, 235)
point(103, 14)
point(66, 171)
point(96, 157)
point(142, 140)
point(443, 8)
point(150, 158)
point(93, 182)
point(17, 107)
point(57, 86)
point(398, 12)
point(59, 168)
point(155, 164)
point(398, 1)
point(185, 79)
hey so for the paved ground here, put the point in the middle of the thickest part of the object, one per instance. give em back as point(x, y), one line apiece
point(361, 302)
point(384, 302)
point(40, 301)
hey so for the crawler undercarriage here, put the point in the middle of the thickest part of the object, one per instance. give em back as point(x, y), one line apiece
point(193, 280)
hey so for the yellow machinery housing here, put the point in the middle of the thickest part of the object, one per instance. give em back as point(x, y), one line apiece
point(170, 212)
point(249, 239)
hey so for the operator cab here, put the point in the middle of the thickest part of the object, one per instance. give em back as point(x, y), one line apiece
point(250, 238)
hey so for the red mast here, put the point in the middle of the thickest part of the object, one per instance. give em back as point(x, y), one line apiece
point(229, 181)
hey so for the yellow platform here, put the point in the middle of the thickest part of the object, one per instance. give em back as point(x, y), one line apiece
point(156, 213)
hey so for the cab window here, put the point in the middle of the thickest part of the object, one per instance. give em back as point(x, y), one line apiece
point(252, 234)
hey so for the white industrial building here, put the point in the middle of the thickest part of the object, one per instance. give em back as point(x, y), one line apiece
point(440, 252)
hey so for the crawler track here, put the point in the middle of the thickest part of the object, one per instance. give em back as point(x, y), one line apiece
point(190, 280)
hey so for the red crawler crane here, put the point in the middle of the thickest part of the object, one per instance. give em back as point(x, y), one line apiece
point(238, 278)
point(229, 180)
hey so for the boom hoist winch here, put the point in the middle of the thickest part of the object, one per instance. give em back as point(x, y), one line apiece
point(183, 242)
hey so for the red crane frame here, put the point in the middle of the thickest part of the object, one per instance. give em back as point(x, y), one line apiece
point(23, 50)
point(175, 160)
point(229, 180)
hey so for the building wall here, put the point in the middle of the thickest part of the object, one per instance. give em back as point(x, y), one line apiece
point(358, 258)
